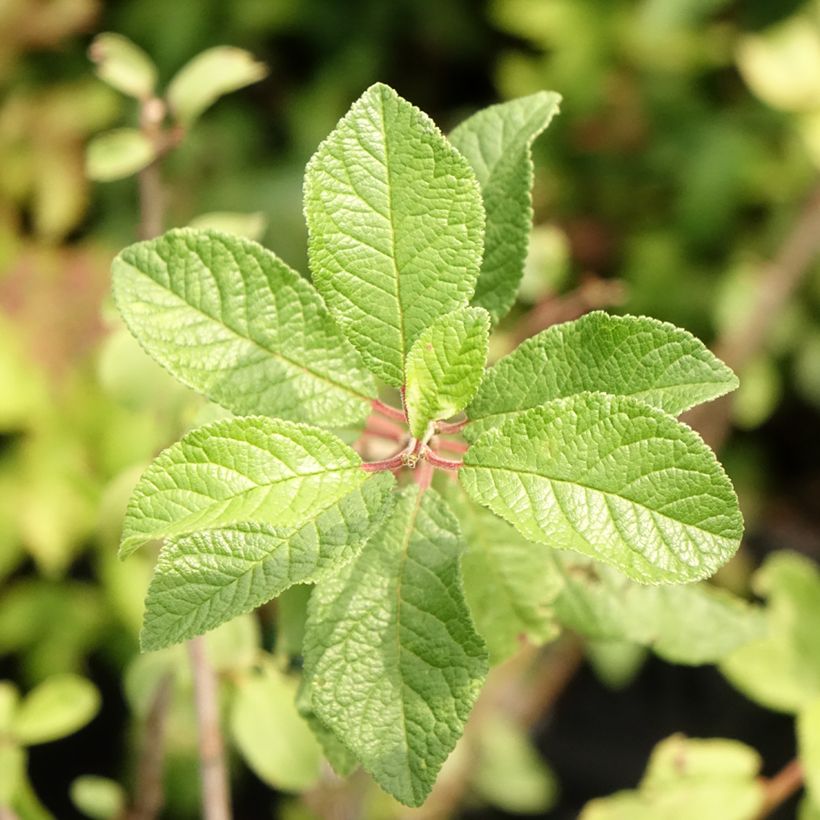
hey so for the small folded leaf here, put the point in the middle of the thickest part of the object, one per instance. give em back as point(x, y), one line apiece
point(395, 220)
point(270, 733)
point(118, 154)
point(123, 65)
point(98, 797)
point(613, 478)
point(240, 469)
point(231, 320)
point(209, 76)
point(59, 706)
point(497, 143)
point(206, 578)
point(445, 366)
point(636, 356)
point(250, 226)
point(393, 661)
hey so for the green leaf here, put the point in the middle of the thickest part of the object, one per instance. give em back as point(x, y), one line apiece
point(613, 478)
point(709, 779)
point(653, 361)
point(98, 797)
point(9, 699)
point(808, 742)
point(123, 65)
point(392, 658)
point(497, 142)
point(250, 225)
point(510, 583)
point(782, 670)
point(445, 366)
point(396, 222)
point(270, 733)
point(693, 624)
point(207, 77)
point(12, 770)
point(231, 320)
point(341, 759)
point(240, 469)
point(118, 154)
point(59, 706)
point(206, 578)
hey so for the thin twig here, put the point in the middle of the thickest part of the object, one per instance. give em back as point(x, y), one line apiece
point(149, 796)
point(152, 195)
point(778, 789)
point(215, 797)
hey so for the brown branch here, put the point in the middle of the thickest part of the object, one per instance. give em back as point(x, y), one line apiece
point(215, 796)
point(776, 284)
point(778, 789)
point(151, 193)
point(149, 795)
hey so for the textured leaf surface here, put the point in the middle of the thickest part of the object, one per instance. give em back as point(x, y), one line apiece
point(396, 224)
point(510, 583)
point(635, 356)
point(445, 366)
point(240, 469)
point(691, 624)
point(390, 651)
point(613, 478)
point(497, 143)
point(341, 759)
point(231, 320)
point(782, 670)
point(206, 578)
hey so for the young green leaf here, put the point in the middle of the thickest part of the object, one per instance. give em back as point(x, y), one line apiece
point(123, 65)
point(99, 798)
point(270, 733)
point(510, 583)
point(59, 706)
point(118, 154)
point(687, 624)
point(445, 366)
point(395, 220)
point(209, 76)
point(231, 320)
point(653, 361)
point(613, 478)
point(497, 143)
point(206, 578)
point(240, 469)
point(393, 661)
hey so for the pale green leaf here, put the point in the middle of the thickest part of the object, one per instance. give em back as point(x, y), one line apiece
point(808, 742)
point(123, 65)
point(270, 733)
point(392, 658)
point(510, 583)
point(59, 706)
point(98, 797)
point(615, 663)
point(118, 154)
point(341, 759)
point(653, 361)
point(396, 223)
point(688, 778)
point(206, 578)
point(692, 624)
point(209, 76)
point(240, 469)
point(250, 225)
point(613, 478)
point(12, 770)
point(782, 670)
point(497, 142)
point(231, 320)
point(445, 366)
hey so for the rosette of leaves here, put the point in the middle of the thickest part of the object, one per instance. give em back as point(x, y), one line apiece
point(417, 247)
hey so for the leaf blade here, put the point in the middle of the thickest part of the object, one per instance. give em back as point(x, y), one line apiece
point(391, 261)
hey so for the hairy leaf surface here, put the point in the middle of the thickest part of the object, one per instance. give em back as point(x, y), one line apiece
point(231, 320)
point(390, 651)
point(445, 366)
point(206, 578)
point(396, 223)
point(240, 469)
point(613, 478)
point(636, 356)
point(497, 142)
